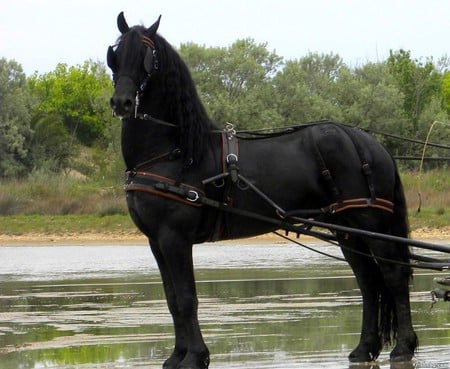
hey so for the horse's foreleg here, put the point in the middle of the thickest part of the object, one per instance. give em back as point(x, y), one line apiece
point(174, 257)
point(180, 348)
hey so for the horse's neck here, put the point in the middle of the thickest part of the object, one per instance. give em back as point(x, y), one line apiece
point(143, 140)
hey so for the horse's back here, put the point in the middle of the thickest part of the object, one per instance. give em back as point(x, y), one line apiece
point(298, 162)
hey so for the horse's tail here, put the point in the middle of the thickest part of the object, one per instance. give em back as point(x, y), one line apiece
point(400, 224)
point(400, 228)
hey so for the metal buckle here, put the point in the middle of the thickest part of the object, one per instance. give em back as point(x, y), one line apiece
point(192, 196)
point(232, 158)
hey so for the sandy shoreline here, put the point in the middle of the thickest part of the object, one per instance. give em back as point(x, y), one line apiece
point(137, 238)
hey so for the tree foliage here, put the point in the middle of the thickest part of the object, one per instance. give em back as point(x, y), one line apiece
point(306, 89)
point(419, 82)
point(72, 110)
point(47, 120)
point(235, 82)
point(75, 94)
point(15, 105)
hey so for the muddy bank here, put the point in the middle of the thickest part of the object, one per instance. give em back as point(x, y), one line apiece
point(137, 238)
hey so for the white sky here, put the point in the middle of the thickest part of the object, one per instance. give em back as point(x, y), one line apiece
point(39, 34)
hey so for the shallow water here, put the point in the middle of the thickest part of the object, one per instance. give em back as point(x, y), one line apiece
point(261, 306)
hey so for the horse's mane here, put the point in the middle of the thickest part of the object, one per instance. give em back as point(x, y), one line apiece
point(180, 102)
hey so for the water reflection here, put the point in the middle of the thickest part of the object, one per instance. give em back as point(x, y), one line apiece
point(260, 307)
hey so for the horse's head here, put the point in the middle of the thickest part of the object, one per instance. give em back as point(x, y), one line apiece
point(133, 62)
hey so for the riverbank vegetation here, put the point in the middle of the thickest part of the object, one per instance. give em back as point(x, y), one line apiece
point(67, 205)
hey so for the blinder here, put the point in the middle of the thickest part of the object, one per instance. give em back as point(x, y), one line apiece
point(151, 62)
point(111, 59)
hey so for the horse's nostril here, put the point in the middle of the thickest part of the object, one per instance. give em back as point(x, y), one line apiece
point(112, 103)
point(128, 104)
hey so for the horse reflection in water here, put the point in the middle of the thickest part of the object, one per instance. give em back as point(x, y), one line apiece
point(179, 164)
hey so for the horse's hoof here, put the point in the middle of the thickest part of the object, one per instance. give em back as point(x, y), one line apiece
point(195, 362)
point(398, 356)
point(360, 358)
point(172, 362)
point(365, 353)
point(401, 358)
point(404, 350)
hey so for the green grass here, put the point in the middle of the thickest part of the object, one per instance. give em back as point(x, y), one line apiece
point(65, 224)
point(61, 196)
point(429, 191)
point(429, 218)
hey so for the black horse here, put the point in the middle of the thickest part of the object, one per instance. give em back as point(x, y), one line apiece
point(189, 182)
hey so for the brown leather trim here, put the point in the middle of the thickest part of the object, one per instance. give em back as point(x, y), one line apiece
point(378, 203)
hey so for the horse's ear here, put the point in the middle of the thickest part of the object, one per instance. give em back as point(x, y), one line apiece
point(153, 28)
point(122, 23)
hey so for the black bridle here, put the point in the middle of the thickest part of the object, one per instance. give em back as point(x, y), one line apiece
point(150, 69)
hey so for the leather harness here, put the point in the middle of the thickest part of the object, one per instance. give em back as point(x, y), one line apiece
point(142, 179)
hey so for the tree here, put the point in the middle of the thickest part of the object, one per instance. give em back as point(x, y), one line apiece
point(370, 98)
point(419, 82)
point(74, 94)
point(50, 146)
point(235, 82)
point(15, 104)
point(306, 88)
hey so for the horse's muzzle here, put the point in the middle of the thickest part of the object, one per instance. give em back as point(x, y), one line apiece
point(122, 107)
point(123, 101)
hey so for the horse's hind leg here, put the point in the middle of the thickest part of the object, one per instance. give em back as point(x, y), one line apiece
point(396, 278)
point(369, 281)
point(174, 258)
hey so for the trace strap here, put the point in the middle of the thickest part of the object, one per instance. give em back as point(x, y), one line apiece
point(163, 186)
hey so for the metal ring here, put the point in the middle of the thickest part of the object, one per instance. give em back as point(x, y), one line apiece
point(195, 197)
point(229, 129)
point(232, 156)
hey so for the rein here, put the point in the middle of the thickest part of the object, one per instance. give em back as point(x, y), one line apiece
point(148, 117)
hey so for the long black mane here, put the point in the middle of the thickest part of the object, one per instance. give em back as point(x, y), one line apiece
point(178, 98)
